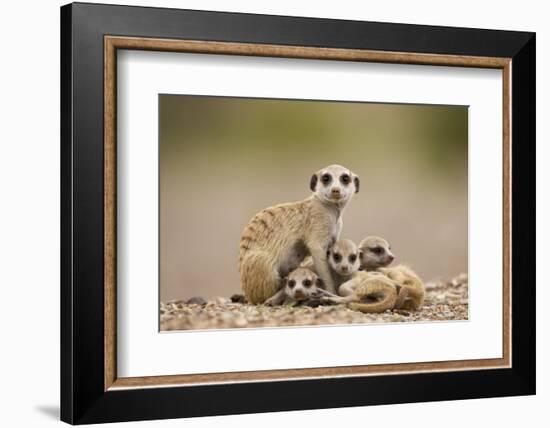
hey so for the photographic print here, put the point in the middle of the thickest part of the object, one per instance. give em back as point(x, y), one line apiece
point(285, 212)
point(276, 190)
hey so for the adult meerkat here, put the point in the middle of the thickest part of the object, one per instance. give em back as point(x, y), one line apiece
point(368, 292)
point(278, 238)
point(301, 286)
point(376, 255)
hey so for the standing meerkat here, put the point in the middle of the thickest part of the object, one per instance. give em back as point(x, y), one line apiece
point(278, 238)
point(301, 286)
point(376, 255)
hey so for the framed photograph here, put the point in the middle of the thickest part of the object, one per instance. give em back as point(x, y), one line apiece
point(267, 213)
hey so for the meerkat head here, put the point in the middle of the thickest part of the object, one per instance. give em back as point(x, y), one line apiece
point(375, 252)
point(343, 257)
point(335, 184)
point(302, 283)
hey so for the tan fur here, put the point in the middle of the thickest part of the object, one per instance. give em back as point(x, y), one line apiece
point(369, 292)
point(411, 288)
point(277, 239)
point(375, 287)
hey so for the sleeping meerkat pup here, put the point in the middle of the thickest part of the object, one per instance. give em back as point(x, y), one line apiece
point(278, 238)
point(368, 292)
point(376, 255)
point(411, 289)
point(301, 286)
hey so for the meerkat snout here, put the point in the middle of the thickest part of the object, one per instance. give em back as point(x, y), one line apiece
point(375, 252)
point(343, 257)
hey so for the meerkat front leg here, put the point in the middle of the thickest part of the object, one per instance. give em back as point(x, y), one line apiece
point(319, 256)
point(402, 295)
point(277, 299)
point(326, 293)
point(339, 299)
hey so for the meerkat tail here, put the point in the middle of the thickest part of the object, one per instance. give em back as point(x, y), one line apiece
point(380, 289)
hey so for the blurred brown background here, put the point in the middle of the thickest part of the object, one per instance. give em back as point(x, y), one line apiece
point(224, 159)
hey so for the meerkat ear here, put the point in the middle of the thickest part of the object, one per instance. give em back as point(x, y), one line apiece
point(319, 282)
point(356, 182)
point(313, 182)
point(360, 253)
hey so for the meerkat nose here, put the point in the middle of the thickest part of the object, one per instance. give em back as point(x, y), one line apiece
point(335, 190)
point(391, 257)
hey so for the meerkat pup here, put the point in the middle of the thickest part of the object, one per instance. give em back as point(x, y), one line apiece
point(365, 291)
point(368, 292)
point(411, 289)
point(376, 255)
point(343, 259)
point(277, 239)
point(375, 252)
point(301, 286)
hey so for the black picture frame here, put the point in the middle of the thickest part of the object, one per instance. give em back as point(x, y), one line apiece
point(83, 398)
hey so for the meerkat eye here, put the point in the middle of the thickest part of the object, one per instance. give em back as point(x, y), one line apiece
point(378, 250)
point(345, 179)
point(326, 178)
point(307, 283)
point(337, 257)
point(352, 258)
point(291, 283)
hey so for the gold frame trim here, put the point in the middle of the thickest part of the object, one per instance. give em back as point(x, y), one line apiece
point(112, 43)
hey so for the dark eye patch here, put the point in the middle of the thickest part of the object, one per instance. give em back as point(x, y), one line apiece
point(352, 258)
point(326, 179)
point(345, 179)
point(307, 283)
point(377, 250)
point(337, 257)
point(291, 283)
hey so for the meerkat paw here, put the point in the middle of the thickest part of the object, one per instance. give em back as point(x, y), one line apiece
point(271, 302)
point(327, 300)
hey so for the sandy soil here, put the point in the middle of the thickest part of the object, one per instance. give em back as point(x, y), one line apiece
point(445, 300)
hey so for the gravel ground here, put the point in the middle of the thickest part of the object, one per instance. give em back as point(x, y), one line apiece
point(445, 300)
